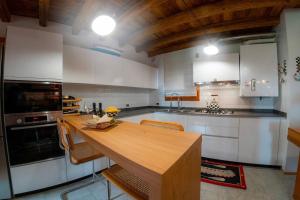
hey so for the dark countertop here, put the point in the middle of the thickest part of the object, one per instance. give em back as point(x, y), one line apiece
point(127, 112)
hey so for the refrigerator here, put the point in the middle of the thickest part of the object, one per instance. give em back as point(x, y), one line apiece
point(5, 187)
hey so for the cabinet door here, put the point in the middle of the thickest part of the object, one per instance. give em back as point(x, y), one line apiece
point(196, 124)
point(223, 67)
point(113, 70)
point(33, 55)
point(259, 70)
point(38, 175)
point(168, 117)
point(138, 118)
point(258, 140)
point(222, 126)
point(78, 65)
point(220, 148)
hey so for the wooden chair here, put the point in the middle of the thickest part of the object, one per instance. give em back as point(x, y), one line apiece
point(127, 182)
point(78, 153)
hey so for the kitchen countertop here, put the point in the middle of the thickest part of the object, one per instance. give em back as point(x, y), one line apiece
point(127, 112)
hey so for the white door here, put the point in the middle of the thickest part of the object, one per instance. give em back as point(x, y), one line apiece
point(258, 140)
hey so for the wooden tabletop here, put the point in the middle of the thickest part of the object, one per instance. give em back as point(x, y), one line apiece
point(156, 149)
point(294, 136)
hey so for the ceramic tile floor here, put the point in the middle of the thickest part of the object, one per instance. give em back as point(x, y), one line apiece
point(262, 184)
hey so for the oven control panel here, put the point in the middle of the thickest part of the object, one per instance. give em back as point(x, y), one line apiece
point(32, 118)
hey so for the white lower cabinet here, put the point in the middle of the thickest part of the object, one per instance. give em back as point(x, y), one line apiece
point(37, 176)
point(220, 148)
point(138, 118)
point(246, 140)
point(258, 140)
point(196, 124)
point(181, 119)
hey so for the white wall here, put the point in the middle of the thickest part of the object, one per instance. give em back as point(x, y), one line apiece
point(177, 70)
point(289, 49)
point(107, 95)
point(85, 39)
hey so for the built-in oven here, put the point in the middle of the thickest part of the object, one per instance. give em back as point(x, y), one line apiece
point(32, 137)
point(29, 97)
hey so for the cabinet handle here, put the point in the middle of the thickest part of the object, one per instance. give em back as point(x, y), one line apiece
point(253, 84)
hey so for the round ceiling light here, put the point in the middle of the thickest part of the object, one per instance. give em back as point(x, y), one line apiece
point(103, 25)
point(211, 50)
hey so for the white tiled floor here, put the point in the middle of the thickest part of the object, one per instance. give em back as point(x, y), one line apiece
point(262, 184)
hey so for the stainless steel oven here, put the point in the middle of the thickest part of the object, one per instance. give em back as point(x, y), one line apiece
point(32, 137)
point(28, 97)
point(30, 112)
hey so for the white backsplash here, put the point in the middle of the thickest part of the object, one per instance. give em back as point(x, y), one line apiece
point(228, 97)
point(107, 95)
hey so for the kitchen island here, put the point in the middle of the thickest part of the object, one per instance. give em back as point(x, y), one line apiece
point(168, 160)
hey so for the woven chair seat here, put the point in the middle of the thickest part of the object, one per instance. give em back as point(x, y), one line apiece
point(129, 183)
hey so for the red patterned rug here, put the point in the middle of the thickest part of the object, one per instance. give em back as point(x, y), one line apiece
point(224, 174)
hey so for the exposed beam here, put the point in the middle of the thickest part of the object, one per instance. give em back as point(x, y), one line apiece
point(136, 10)
point(202, 41)
point(176, 47)
point(4, 11)
point(199, 13)
point(217, 28)
point(43, 12)
point(89, 7)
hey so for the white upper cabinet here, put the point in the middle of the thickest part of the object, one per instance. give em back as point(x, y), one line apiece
point(259, 70)
point(33, 55)
point(92, 67)
point(78, 65)
point(223, 67)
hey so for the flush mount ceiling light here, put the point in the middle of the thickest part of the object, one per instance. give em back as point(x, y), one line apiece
point(211, 50)
point(103, 25)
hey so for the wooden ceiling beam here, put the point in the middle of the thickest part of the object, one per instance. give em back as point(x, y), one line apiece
point(43, 12)
point(202, 31)
point(4, 11)
point(135, 10)
point(89, 7)
point(200, 12)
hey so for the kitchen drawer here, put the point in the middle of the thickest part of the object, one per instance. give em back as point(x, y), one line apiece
point(39, 175)
point(196, 124)
point(138, 118)
point(220, 148)
point(222, 121)
point(222, 131)
point(169, 117)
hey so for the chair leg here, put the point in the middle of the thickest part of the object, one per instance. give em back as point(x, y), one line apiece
point(107, 182)
point(95, 178)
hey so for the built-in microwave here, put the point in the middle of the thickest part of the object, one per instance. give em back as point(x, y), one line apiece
point(29, 97)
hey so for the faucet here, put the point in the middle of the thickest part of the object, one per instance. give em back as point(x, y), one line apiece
point(178, 101)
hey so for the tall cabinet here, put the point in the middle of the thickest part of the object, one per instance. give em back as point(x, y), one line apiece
point(33, 55)
point(259, 70)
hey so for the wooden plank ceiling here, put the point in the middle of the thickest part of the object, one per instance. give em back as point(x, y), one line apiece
point(157, 26)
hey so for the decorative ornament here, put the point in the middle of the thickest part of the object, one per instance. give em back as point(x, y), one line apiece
point(297, 74)
point(282, 69)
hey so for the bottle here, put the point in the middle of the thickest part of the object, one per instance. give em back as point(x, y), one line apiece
point(94, 109)
point(100, 110)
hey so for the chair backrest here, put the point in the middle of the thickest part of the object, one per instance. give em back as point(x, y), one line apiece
point(65, 137)
point(169, 125)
